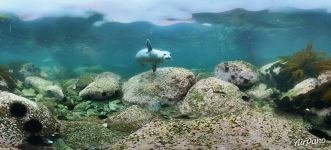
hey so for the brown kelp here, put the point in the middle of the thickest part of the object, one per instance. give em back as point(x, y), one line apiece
point(303, 64)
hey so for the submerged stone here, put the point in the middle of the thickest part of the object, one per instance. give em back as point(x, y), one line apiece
point(84, 80)
point(165, 86)
point(212, 96)
point(130, 119)
point(55, 91)
point(247, 128)
point(20, 118)
point(300, 92)
point(240, 73)
point(29, 92)
point(37, 83)
point(86, 134)
point(104, 86)
point(260, 92)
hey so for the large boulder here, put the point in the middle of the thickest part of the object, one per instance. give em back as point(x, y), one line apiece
point(3, 84)
point(88, 135)
point(269, 71)
point(130, 119)
point(165, 86)
point(104, 86)
point(301, 88)
point(211, 96)
point(248, 128)
point(240, 73)
point(37, 83)
point(27, 69)
point(260, 92)
point(84, 80)
point(324, 77)
point(55, 91)
point(300, 96)
point(24, 122)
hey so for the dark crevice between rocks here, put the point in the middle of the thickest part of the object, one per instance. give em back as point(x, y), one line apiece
point(319, 133)
point(35, 140)
point(246, 98)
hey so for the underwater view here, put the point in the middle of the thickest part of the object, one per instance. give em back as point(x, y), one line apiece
point(165, 74)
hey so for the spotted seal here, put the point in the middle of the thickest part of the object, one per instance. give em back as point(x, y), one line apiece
point(152, 56)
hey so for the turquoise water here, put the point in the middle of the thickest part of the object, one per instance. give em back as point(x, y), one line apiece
point(257, 37)
point(212, 94)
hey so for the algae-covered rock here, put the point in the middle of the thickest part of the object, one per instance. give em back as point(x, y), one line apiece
point(212, 96)
point(104, 86)
point(166, 85)
point(84, 80)
point(37, 83)
point(54, 91)
point(260, 92)
point(23, 122)
point(240, 73)
point(248, 129)
point(324, 77)
point(3, 84)
point(7, 81)
point(301, 88)
point(28, 69)
point(130, 119)
point(29, 92)
point(87, 134)
point(300, 96)
point(269, 71)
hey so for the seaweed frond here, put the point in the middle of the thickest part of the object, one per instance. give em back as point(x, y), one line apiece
point(305, 63)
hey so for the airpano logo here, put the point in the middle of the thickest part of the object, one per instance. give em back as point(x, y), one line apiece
point(305, 142)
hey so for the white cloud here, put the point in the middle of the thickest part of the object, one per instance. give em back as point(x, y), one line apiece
point(155, 11)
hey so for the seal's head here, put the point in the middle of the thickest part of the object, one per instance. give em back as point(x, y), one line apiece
point(166, 55)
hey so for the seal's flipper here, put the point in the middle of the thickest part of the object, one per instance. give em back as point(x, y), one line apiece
point(154, 67)
point(149, 45)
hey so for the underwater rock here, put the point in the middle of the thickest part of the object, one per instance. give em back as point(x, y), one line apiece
point(248, 128)
point(270, 70)
point(114, 105)
point(300, 89)
point(29, 92)
point(3, 84)
point(39, 84)
point(319, 118)
point(212, 96)
point(260, 92)
point(165, 86)
point(324, 77)
point(87, 134)
point(28, 69)
point(130, 119)
point(104, 86)
point(54, 91)
point(53, 71)
point(7, 81)
point(23, 122)
point(84, 80)
point(240, 73)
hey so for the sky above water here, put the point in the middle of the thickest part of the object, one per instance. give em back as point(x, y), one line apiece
point(160, 12)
